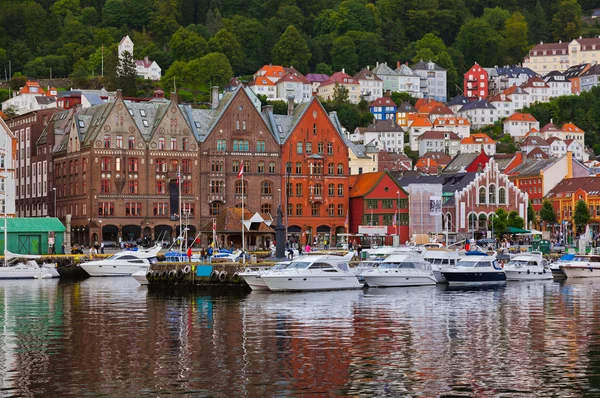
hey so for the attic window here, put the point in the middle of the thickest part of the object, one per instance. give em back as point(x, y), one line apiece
point(130, 112)
point(142, 113)
point(279, 129)
point(197, 124)
point(145, 122)
point(81, 124)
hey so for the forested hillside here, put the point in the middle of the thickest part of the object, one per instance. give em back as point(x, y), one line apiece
point(311, 35)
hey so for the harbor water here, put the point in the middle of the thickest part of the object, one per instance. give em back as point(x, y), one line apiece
point(111, 337)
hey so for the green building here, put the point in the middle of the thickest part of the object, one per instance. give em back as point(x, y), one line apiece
point(32, 235)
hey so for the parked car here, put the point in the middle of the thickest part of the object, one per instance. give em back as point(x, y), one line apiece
point(486, 242)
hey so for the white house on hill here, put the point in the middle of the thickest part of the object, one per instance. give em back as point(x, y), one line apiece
point(145, 68)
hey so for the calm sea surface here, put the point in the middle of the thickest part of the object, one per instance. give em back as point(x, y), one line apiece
point(110, 337)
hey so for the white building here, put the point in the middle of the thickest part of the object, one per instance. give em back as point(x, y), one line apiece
point(433, 80)
point(559, 84)
point(519, 124)
point(480, 113)
point(8, 142)
point(264, 86)
point(145, 68)
point(538, 90)
point(408, 81)
point(417, 125)
point(458, 125)
point(557, 147)
point(296, 86)
point(371, 86)
point(31, 97)
point(439, 141)
point(477, 142)
point(388, 76)
point(385, 135)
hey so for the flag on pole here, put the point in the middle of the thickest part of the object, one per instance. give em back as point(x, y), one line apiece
point(394, 221)
point(347, 221)
point(241, 172)
point(214, 224)
point(178, 175)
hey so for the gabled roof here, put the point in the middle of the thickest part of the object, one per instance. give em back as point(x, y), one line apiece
point(479, 104)
point(461, 162)
point(290, 77)
point(534, 140)
point(317, 77)
point(364, 183)
point(532, 167)
point(34, 224)
point(570, 128)
point(537, 153)
point(594, 70)
point(458, 100)
point(230, 219)
point(384, 69)
point(419, 120)
point(421, 65)
point(427, 104)
point(549, 47)
point(570, 141)
point(438, 135)
point(531, 83)
point(261, 81)
point(514, 71)
point(383, 101)
point(405, 70)
point(552, 140)
point(575, 71)
point(406, 107)
point(451, 121)
point(500, 97)
point(571, 185)
point(478, 139)
point(384, 126)
point(441, 110)
point(358, 150)
point(274, 71)
point(440, 158)
point(292, 70)
point(520, 117)
point(549, 127)
point(515, 90)
point(503, 160)
point(340, 78)
point(32, 87)
point(366, 74)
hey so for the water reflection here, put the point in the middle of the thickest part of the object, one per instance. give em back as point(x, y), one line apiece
point(111, 337)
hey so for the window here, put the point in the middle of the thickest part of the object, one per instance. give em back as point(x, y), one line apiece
point(320, 147)
point(299, 209)
point(161, 143)
point(340, 189)
point(185, 144)
point(299, 189)
point(237, 124)
point(84, 164)
point(330, 168)
point(340, 210)
point(173, 144)
point(482, 195)
point(173, 165)
point(299, 147)
point(221, 145)
point(217, 187)
point(388, 219)
point(235, 166)
point(186, 166)
point(107, 141)
point(501, 196)
point(261, 167)
point(331, 210)
point(290, 208)
point(160, 209)
point(298, 167)
point(215, 208)
point(315, 129)
point(271, 167)
point(186, 188)
point(160, 187)
point(133, 186)
point(318, 168)
point(329, 148)
point(131, 142)
point(331, 190)
point(288, 168)
point(492, 195)
point(145, 123)
point(132, 164)
point(104, 186)
point(239, 189)
point(315, 209)
point(387, 204)
point(265, 208)
point(117, 164)
point(266, 188)
point(340, 169)
point(161, 166)
point(105, 164)
point(372, 204)
point(290, 189)
point(244, 125)
point(371, 219)
point(142, 113)
point(106, 209)
point(236, 145)
point(260, 146)
point(133, 209)
point(119, 141)
point(309, 148)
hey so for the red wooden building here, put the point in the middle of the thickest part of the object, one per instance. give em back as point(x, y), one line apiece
point(377, 199)
point(476, 83)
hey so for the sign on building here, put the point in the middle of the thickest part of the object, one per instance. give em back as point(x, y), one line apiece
point(372, 229)
point(435, 205)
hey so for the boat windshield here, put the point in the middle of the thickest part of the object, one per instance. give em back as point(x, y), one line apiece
point(369, 264)
point(473, 264)
point(586, 259)
point(153, 260)
point(523, 263)
point(298, 265)
point(281, 266)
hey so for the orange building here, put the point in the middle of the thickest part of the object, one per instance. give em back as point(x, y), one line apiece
point(316, 175)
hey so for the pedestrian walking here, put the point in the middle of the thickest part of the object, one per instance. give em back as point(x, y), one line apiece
point(189, 254)
point(101, 247)
point(209, 253)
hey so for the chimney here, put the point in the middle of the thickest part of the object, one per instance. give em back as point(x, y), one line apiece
point(158, 94)
point(377, 63)
point(174, 98)
point(268, 109)
point(146, 59)
point(290, 99)
point(343, 70)
point(119, 94)
point(215, 97)
point(398, 63)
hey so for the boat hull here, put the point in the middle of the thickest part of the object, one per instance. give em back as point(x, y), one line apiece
point(302, 283)
point(523, 275)
point(479, 277)
point(558, 273)
point(439, 277)
point(140, 277)
point(113, 269)
point(399, 280)
point(581, 272)
point(255, 282)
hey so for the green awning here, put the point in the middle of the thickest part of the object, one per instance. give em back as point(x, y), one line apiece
point(33, 224)
point(513, 230)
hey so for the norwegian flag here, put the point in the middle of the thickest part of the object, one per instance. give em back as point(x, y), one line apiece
point(347, 221)
point(214, 224)
point(241, 172)
point(394, 221)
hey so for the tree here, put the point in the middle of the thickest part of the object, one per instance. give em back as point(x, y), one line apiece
point(479, 43)
point(10, 111)
point(582, 215)
point(63, 7)
point(514, 220)
point(127, 74)
point(226, 43)
point(547, 213)
point(187, 45)
point(216, 69)
point(163, 21)
point(500, 222)
point(292, 49)
point(112, 13)
point(515, 35)
point(175, 76)
point(214, 22)
point(322, 67)
point(340, 94)
point(566, 22)
point(538, 25)
point(531, 214)
point(496, 17)
point(80, 74)
point(343, 55)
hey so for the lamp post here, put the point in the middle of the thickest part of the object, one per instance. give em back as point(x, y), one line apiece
point(54, 194)
point(279, 195)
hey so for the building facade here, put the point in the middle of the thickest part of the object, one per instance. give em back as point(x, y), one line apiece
point(476, 83)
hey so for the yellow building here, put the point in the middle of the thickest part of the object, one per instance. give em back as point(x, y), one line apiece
point(546, 57)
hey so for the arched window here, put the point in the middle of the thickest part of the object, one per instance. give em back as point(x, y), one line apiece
point(482, 195)
point(299, 147)
point(482, 222)
point(265, 208)
point(261, 167)
point(502, 196)
point(215, 208)
point(492, 194)
point(266, 188)
point(161, 142)
point(238, 187)
point(472, 222)
point(235, 166)
point(448, 224)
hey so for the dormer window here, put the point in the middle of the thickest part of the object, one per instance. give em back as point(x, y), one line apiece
point(142, 113)
point(81, 124)
point(145, 123)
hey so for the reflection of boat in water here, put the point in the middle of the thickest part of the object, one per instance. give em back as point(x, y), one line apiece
point(123, 263)
point(252, 275)
point(475, 269)
point(527, 267)
point(400, 270)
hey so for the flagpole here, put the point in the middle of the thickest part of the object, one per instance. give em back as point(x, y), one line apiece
point(243, 239)
point(180, 215)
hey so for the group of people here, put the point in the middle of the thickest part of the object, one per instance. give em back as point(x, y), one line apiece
point(205, 254)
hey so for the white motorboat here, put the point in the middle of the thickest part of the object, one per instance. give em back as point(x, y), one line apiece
point(582, 266)
point(123, 263)
point(478, 268)
point(309, 273)
point(252, 275)
point(527, 267)
point(558, 273)
point(140, 277)
point(441, 259)
point(405, 269)
point(226, 256)
point(15, 268)
point(376, 255)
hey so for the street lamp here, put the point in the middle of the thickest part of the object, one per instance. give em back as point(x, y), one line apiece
point(279, 195)
point(54, 193)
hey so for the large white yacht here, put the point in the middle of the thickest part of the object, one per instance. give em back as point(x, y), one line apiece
point(406, 269)
point(527, 267)
point(15, 268)
point(308, 273)
point(475, 269)
point(376, 255)
point(123, 263)
point(582, 266)
point(252, 275)
point(441, 259)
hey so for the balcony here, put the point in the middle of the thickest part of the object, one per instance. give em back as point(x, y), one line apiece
point(471, 79)
point(316, 198)
point(216, 198)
